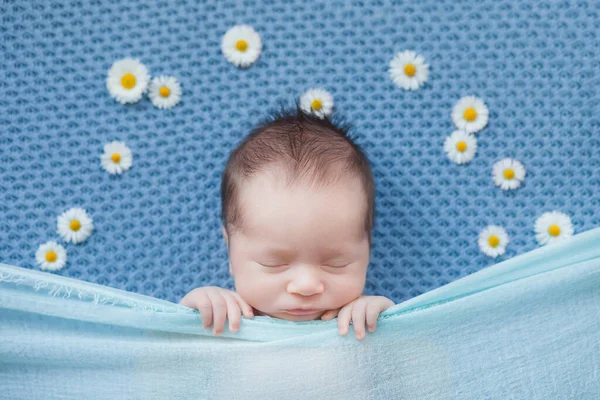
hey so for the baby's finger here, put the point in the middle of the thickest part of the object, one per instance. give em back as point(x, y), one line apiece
point(193, 299)
point(245, 307)
point(200, 301)
point(234, 314)
point(219, 312)
point(373, 310)
point(206, 313)
point(186, 301)
point(344, 317)
point(358, 319)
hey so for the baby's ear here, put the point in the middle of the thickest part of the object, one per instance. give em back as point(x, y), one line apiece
point(225, 235)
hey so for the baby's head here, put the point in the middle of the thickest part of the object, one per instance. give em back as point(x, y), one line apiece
point(298, 208)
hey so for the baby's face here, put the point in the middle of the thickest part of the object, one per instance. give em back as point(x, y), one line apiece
point(305, 248)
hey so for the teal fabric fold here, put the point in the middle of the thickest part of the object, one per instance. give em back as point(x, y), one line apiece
point(526, 328)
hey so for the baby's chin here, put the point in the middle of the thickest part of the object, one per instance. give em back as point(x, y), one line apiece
point(291, 317)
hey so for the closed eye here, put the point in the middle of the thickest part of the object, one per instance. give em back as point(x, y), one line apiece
point(283, 265)
point(273, 265)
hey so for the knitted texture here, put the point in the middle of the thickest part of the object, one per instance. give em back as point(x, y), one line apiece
point(156, 227)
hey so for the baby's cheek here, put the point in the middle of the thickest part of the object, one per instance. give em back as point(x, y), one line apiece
point(254, 292)
point(348, 289)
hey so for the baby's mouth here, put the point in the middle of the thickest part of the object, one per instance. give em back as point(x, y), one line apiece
point(300, 311)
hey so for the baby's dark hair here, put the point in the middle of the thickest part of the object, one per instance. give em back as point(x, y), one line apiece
point(309, 149)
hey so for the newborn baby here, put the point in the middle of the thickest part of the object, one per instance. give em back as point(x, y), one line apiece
point(297, 212)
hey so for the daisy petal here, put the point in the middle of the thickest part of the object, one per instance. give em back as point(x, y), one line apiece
point(408, 70)
point(164, 92)
point(117, 157)
point(493, 241)
point(318, 102)
point(460, 147)
point(241, 45)
point(470, 114)
point(51, 256)
point(127, 80)
point(508, 174)
point(74, 225)
point(552, 227)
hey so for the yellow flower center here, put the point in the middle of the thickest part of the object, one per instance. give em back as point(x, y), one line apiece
point(241, 45)
point(51, 256)
point(75, 225)
point(509, 174)
point(494, 240)
point(316, 104)
point(128, 81)
point(410, 70)
point(116, 157)
point(554, 230)
point(470, 114)
point(461, 146)
point(164, 91)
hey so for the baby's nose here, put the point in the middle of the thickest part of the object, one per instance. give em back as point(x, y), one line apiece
point(306, 283)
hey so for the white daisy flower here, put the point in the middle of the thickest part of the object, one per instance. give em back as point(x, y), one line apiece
point(470, 114)
point(241, 45)
point(552, 227)
point(460, 147)
point(508, 174)
point(318, 102)
point(127, 80)
point(51, 256)
point(408, 70)
point(164, 92)
point(117, 157)
point(493, 240)
point(74, 225)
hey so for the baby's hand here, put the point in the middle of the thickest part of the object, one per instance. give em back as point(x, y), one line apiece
point(364, 308)
point(215, 303)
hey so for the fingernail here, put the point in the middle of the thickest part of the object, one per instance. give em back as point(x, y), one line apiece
point(371, 328)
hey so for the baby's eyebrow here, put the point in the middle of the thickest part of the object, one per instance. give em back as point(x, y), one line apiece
point(280, 252)
point(329, 252)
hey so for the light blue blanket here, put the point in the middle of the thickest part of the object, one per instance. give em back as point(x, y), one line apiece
point(527, 328)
